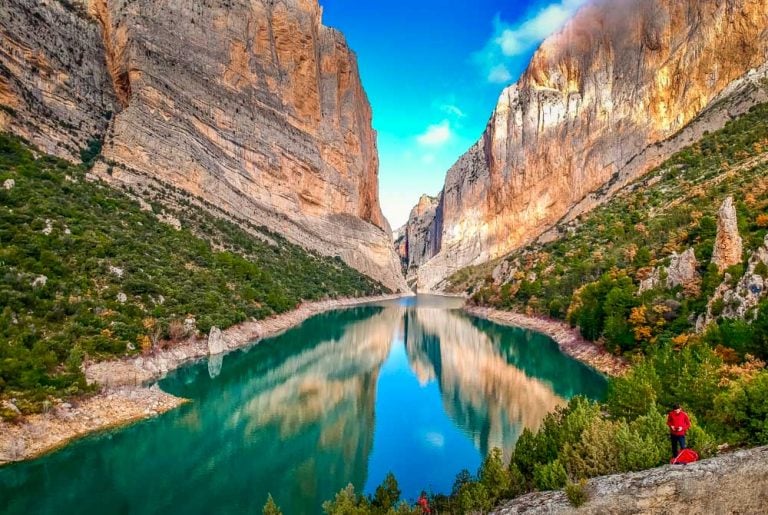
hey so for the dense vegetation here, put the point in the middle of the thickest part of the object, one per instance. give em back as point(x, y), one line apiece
point(85, 272)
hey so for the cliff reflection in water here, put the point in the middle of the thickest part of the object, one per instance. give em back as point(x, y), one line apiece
point(305, 409)
point(490, 398)
point(295, 416)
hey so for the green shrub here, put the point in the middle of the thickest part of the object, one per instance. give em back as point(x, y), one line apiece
point(346, 502)
point(633, 394)
point(550, 476)
point(701, 441)
point(387, 493)
point(741, 412)
point(577, 493)
point(494, 476)
point(473, 497)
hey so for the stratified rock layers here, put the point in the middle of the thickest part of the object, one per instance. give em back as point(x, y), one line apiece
point(592, 110)
point(54, 88)
point(252, 106)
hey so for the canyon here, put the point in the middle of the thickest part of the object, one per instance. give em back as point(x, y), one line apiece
point(618, 90)
point(252, 110)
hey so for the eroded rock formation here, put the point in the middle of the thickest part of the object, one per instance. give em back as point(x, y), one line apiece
point(740, 301)
point(602, 102)
point(728, 243)
point(252, 109)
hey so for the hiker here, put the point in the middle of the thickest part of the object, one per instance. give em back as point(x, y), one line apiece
point(424, 503)
point(679, 424)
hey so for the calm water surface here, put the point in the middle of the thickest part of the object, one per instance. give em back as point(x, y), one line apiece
point(413, 386)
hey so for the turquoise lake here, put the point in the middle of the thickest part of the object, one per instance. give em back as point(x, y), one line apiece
point(413, 386)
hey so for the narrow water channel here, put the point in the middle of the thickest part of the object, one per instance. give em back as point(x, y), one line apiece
point(413, 386)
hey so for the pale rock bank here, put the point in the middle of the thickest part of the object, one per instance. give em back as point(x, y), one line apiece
point(733, 483)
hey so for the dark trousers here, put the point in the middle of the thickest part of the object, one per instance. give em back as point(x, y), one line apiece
point(677, 441)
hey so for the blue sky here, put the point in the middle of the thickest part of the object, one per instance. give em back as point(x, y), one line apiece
point(433, 71)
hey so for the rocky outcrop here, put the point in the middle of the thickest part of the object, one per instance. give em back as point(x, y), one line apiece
point(728, 244)
point(682, 271)
point(740, 301)
point(216, 343)
point(622, 87)
point(251, 109)
point(54, 88)
point(731, 483)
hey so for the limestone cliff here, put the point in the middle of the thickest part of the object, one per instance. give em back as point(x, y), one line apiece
point(252, 109)
point(419, 239)
point(54, 88)
point(602, 101)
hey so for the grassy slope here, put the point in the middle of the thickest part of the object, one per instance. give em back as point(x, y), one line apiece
point(167, 275)
point(671, 209)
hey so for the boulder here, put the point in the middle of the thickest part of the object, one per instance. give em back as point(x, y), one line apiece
point(216, 343)
point(48, 229)
point(190, 325)
point(682, 271)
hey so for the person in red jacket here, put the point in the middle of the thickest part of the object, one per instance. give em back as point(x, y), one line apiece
point(423, 502)
point(679, 424)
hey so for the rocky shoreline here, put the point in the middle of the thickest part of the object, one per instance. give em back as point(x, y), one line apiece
point(568, 338)
point(126, 396)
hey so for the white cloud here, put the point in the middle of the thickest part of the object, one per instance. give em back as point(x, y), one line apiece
point(513, 40)
point(499, 74)
point(428, 159)
point(436, 135)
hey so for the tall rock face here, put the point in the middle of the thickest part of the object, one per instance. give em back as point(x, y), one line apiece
point(420, 239)
point(251, 108)
point(54, 88)
point(601, 102)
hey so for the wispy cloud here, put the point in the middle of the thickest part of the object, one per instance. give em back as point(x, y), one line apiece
point(499, 74)
point(452, 110)
point(513, 40)
point(436, 134)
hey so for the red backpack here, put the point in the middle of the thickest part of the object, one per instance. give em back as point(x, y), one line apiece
point(684, 457)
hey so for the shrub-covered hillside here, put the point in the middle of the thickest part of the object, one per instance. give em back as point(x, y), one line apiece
point(84, 271)
point(591, 275)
